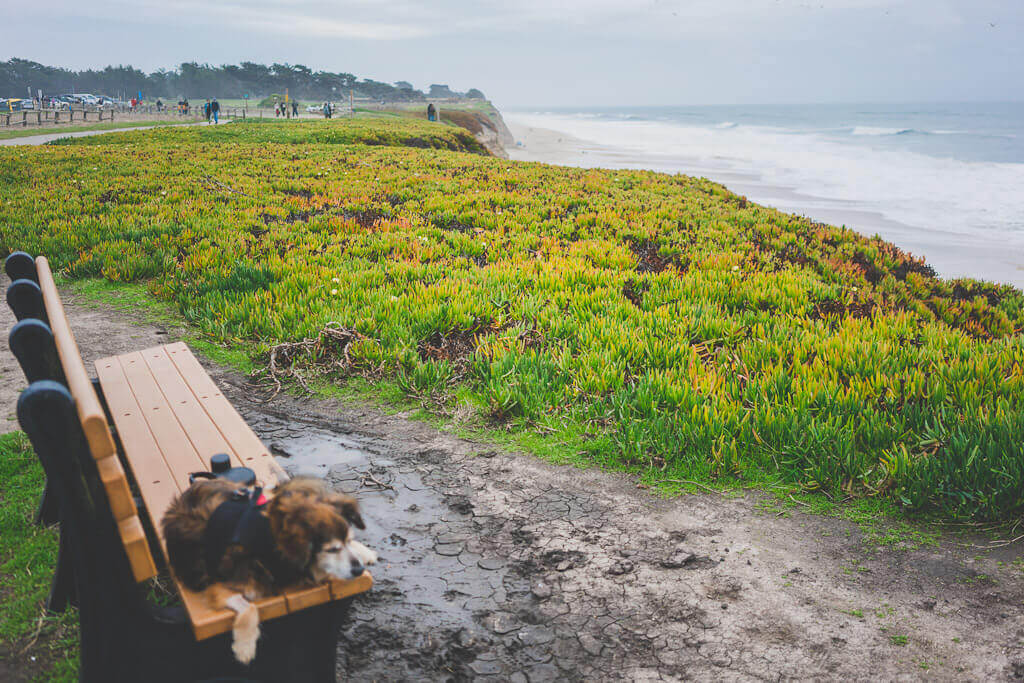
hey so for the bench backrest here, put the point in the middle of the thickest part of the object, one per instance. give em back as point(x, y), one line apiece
point(96, 429)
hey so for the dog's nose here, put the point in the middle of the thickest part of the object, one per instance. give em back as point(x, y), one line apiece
point(357, 568)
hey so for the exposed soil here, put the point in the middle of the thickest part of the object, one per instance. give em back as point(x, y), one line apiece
point(499, 565)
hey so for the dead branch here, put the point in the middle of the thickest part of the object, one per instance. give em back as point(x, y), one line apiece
point(327, 352)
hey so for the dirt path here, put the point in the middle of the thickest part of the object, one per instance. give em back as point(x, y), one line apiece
point(500, 565)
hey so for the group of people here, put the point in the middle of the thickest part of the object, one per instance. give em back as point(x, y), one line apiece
point(282, 109)
point(212, 109)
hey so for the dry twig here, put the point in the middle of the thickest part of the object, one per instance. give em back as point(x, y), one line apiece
point(329, 352)
point(224, 186)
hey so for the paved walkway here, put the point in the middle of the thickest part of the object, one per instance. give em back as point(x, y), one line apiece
point(49, 137)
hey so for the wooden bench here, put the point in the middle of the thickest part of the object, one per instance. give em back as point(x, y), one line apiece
point(117, 450)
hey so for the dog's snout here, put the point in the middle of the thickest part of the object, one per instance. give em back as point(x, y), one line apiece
point(357, 568)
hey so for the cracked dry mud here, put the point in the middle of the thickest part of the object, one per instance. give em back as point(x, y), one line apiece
point(497, 565)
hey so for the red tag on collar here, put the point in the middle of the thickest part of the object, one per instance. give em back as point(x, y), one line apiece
point(262, 500)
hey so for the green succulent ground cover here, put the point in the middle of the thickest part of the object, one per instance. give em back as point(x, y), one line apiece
point(374, 130)
point(668, 326)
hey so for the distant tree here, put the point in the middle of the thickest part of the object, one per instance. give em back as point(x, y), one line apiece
point(475, 94)
point(198, 80)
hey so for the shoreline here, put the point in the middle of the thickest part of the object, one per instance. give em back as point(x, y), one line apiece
point(952, 255)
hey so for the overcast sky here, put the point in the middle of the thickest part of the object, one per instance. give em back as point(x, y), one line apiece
point(566, 52)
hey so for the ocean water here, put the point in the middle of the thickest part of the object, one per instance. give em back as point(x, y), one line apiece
point(945, 181)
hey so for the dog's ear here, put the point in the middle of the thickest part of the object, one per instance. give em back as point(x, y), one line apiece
point(349, 509)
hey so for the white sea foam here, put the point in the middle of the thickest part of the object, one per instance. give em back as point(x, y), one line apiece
point(869, 130)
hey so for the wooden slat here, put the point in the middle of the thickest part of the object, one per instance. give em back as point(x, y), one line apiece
point(200, 429)
point(301, 598)
point(137, 547)
point(94, 426)
point(236, 432)
point(344, 589)
point(90, 412)
point(119, 494)
point(152, 476)
point(177, 451)
point(207, 622)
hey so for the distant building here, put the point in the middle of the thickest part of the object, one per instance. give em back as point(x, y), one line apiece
point(442, 92)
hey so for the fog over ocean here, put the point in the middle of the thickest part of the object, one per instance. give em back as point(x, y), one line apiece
point(944, 181)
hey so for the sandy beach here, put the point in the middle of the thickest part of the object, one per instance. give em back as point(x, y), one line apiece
point(951, 254)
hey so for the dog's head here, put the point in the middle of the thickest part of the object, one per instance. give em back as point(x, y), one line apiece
point(312, 527)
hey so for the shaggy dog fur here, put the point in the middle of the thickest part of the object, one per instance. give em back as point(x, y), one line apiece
point(311, 534)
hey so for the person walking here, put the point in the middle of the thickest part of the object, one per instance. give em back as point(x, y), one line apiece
point(295, 109)
point(431, 112)
point(206, 110)
point(215, 110)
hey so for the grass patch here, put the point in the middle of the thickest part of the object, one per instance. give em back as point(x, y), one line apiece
point(46, 645)
point(655, 324)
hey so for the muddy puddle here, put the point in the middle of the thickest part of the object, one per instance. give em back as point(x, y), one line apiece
point(440, 608)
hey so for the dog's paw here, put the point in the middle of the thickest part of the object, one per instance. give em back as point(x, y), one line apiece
point(365, 555)
point(245, 649)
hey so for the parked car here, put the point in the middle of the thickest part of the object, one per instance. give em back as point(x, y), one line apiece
point(86, 98)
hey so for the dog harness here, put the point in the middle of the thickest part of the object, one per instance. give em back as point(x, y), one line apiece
point(239, 521)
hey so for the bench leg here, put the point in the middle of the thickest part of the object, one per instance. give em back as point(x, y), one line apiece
point(48, 512)
point(62, 590)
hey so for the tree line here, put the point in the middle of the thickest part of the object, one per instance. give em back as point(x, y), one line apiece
point(194, 80)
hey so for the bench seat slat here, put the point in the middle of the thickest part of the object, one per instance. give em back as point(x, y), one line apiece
point(177, 450)
point(152, 475)
point(232, 426)
point(200, 430)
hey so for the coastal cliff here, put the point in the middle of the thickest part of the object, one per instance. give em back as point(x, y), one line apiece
point(486, 125)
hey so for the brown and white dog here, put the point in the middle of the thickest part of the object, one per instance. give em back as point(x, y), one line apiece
point(243, 546)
